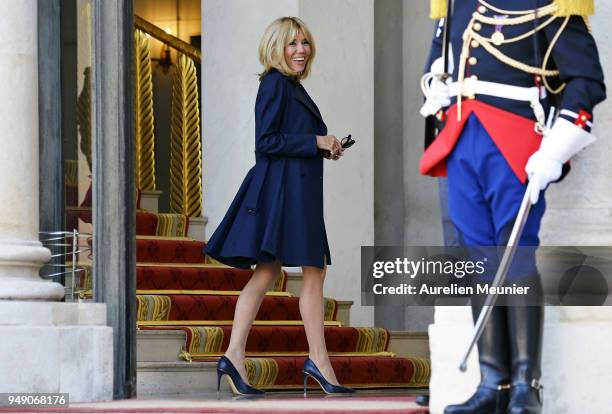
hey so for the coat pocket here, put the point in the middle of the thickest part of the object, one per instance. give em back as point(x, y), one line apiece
point(251, 200)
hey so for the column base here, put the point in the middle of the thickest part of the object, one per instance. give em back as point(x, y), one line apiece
point(39, 290)
point(20, 261)
point(448, 337)
point(197, 228)
point(56, 348)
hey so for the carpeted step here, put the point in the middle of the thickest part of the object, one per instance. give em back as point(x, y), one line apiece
point(202, 341)
point(353, 371)
point(219, 307)
point(167, 250)
point(146, 223)
point(166, 225)
point(151, 277)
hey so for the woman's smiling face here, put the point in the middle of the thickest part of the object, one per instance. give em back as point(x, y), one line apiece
point(297, 53)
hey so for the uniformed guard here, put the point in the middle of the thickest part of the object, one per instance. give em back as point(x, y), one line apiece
point(517, 103)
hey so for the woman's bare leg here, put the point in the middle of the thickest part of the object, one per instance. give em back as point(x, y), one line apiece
point(312, 310)
point(247, 306)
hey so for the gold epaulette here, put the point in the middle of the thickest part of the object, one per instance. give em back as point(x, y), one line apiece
point(564, 8)
point(575, 7)
point(438, 9)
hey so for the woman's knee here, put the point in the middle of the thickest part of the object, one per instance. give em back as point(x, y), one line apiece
point(267, 272)
point(313, 275)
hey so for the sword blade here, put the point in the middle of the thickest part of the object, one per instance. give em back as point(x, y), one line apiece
point(500, 275)
point(447, 34)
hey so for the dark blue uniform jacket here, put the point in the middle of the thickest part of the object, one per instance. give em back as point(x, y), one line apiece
point(574, 55)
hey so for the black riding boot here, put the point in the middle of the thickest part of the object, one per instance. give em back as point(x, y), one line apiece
point(491, 397)
point(525, 324)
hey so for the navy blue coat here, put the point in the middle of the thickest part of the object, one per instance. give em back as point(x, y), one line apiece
point(277, 213)
point(574, 55)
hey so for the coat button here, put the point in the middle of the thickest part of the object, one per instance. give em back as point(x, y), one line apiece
point(473, 60)
point(477, 26)
point(474, 43)
point(251, 210)
point(482, 9)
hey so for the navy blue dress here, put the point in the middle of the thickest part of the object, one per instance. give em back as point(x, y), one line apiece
point(277, 213)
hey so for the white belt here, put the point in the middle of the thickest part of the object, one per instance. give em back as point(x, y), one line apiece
point(472, 87)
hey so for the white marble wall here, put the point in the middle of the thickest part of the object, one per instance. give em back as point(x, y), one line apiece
point(342, 85)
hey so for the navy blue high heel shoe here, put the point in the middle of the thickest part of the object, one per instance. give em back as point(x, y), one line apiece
point(310, 369)
point(225, 367)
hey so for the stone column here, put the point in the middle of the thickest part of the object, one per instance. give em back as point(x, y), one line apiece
point(21, 254)
point(46, 345)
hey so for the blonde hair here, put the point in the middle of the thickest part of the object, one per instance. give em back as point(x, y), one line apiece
point(279, 34)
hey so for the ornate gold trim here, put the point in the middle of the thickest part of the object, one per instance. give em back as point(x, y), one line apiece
point(168, 39)
point(84, 116)
point(143, 107)
point(153, 308)
point(372, 339)
point(185, 144)
point(171, 225)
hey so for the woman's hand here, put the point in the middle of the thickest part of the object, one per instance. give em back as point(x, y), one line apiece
point(331, 144)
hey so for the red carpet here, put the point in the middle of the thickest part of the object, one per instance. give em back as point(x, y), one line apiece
point(218, 307)
point(196, 278)
point(176, 285)
point(282, 339)
point(146, 223)
point(169, 251)
point(278, 373)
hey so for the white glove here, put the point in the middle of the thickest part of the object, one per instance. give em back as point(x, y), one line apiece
point(541, 170)
point(438, 97)
point(436, 91)
point(559, 144)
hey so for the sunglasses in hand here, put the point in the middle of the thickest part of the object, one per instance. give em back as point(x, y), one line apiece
point(345, 142)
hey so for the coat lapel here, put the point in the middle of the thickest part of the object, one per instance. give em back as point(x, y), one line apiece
point(302, 96)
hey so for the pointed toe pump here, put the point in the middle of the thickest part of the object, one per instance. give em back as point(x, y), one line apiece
point(311, 370)
point(225, 367)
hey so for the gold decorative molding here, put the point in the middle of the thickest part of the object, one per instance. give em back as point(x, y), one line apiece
point(172, 41)
point(71, 172)
point(185, 144)
point(84, 115)
point(143, 105)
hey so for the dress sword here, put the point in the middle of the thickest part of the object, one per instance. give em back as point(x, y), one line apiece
point(500, 275)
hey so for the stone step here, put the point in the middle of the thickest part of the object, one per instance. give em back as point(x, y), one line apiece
point(166, 345)
point(178, 378)
point(184, 378)
point(211, 306)
point(409, 344)
point(198, 378)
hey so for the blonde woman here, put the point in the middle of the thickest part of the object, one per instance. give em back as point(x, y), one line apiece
point(276, 219)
